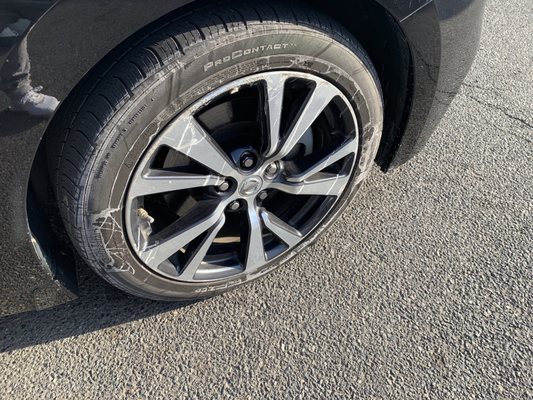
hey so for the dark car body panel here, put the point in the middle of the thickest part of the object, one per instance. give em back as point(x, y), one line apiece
point(67, 38)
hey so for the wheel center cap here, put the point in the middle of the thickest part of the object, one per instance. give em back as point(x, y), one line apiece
point(251, 185)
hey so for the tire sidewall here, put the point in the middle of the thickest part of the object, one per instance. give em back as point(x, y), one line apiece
point(161, 97)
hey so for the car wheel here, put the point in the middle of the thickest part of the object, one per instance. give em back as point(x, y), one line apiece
point(214, 146)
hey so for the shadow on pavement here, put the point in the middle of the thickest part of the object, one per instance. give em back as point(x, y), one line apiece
point(99, 306)
point(17, 122)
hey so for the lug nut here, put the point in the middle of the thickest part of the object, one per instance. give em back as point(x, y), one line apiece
point(263, 195)
point(223, 187)
point(272, 169)
point(234, 205)
point(247, 160)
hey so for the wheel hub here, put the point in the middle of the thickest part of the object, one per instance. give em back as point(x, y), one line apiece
point(251, 186)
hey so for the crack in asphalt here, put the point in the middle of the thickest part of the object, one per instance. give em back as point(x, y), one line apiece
point(501, 109)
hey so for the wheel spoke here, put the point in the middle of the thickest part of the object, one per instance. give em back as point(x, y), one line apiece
point(323, 185)
point(275, 88)
point(317, 100)
point(282, 230)
point(170, 240)
point(255, 251)
point(164, 181)
point(194, 262)
point(186, 136)
point(332, 157)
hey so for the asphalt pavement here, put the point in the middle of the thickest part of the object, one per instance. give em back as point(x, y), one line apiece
point(422, 289)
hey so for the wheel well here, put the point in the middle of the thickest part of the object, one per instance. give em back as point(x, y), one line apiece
point(383, 40)
point(388, 51)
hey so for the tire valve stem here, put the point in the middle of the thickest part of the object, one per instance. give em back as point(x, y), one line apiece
point(145, 227)
point(143, 214)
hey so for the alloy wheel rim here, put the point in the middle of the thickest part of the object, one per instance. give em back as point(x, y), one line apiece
point(199, 210)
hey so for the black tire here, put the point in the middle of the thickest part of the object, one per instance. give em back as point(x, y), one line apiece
point(130, 96)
